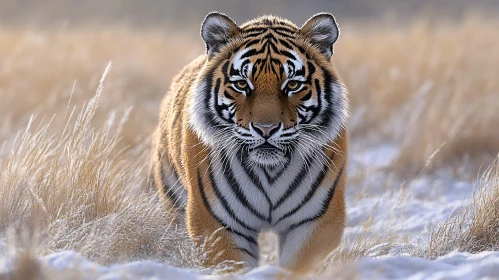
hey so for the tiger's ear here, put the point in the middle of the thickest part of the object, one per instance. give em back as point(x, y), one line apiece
point(216, 31)
point(322, 31)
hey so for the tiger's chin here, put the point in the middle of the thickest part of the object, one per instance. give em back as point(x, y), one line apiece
point(268, 157)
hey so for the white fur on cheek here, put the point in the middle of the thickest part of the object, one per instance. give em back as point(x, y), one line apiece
point(237, 62)
point(197, 112)
point(297, 62)
point(339, 105)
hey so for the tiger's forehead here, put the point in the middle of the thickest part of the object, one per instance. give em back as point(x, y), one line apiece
point(268, 59)
point(268, 45)
point(267, 55)
point(268, 22)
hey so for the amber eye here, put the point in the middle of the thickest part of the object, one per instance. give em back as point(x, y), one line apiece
point(292, 85)
point(241, 84)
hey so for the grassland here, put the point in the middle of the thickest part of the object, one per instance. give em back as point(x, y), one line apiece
point(73, 164)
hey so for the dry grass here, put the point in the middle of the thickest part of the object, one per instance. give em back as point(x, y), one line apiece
point(476, 227)
point(77, 191)
point(41, 70)
point(75, 181)
point(425, 85)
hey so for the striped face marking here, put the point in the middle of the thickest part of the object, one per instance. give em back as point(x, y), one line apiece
point(268, 110)
point(269, 96)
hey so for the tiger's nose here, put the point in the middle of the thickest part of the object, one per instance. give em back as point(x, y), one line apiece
point(266, 129)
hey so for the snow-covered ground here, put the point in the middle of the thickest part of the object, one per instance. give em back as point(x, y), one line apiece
point(412, 209)
point(452, 266)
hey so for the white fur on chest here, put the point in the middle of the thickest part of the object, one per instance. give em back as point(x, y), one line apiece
point(279, 202)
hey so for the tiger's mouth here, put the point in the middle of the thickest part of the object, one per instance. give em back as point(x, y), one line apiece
point(267, 154)
point(266, 146)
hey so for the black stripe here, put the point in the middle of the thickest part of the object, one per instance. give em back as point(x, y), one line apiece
point(215, 98)
point(257, 68)
point(168, 190)
point(300, 72)
point(252, 34)
point(307, 96)
point(225, 69)
point(225, 204)
point(243, 68)
point(291, 189)
point(286, 45)
point(269, 37)
point(252, 42)
point(310, 193)
point(311, 70)
point(274, 61)
point(245, 134)
point(319, 99)
point(307, 108)
point(267, 28)
point(328, 114)
point(220, 107)
point(249, 53)
point(255, 29)
point(301, 49)
point(208, 115)
point(301, 116)
point(248, 238)
point(227, 95)
point(283, 29)
point(284, 34)
point(315, 109)
point(236, 190)
point(288, 54)
point(272, 179)
point(325, 204)
point(287, 134)
point(256, 182)
point(274, 48)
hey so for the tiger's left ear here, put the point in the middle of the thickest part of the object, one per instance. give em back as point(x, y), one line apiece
point(216, 31)
point(322, 31)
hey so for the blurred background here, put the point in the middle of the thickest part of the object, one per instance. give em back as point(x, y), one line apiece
point(421, 73)
point(187, 13)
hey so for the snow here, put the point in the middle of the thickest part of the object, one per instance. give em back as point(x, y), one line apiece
point(143, 269)
point(413, 207)
point(484, 265)
point(139, 269)
point(3, 248)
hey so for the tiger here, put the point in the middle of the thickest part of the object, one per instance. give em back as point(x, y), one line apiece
point(252, 137)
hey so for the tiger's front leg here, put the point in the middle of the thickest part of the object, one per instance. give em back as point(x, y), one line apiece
point(221, 242)
point(304, 246)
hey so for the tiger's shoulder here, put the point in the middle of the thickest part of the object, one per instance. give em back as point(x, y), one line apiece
point(166, 166)
point(182, 82)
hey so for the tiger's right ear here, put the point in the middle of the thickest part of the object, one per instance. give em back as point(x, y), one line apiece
point(216, 31)
point(322, 31)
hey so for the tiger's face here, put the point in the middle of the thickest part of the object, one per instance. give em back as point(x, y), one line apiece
point(268, 90)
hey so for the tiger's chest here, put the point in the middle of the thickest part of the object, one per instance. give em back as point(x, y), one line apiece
point(251, 198)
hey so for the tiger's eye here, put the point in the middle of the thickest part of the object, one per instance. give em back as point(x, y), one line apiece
point(292, 85)
point(242, 84)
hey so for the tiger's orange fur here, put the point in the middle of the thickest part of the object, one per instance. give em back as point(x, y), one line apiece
point(179, 149)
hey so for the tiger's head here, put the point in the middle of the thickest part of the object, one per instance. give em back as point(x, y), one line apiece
point(268, 89)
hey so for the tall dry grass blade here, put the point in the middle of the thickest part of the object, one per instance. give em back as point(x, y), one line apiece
point(475, 228)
